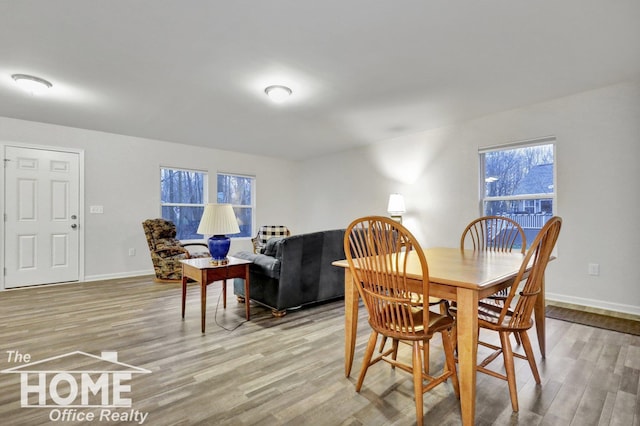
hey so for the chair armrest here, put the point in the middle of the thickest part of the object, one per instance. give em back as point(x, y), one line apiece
point(254, 241)
point(194, 244)
point(202, 251)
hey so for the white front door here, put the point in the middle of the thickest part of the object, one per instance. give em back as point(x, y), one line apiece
point(42, 189)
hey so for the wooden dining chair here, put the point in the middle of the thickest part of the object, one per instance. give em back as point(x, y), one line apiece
point(377, 251)
point(494, 233)
point(512, 315)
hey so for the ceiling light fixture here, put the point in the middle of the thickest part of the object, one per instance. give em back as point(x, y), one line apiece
point(278, 93)
point(33, 85)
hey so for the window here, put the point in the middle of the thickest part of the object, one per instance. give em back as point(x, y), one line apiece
point(183, 194)
point(239, 191)
point(518, 181)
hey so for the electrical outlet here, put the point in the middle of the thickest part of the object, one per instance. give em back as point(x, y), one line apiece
point(132, 252)
point(594, 269)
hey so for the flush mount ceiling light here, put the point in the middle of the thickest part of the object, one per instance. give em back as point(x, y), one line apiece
point(33, 85)
point(278, 93)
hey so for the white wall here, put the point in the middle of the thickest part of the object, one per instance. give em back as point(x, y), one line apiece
point(598, 187)
point(598, 153)
point(122, 174)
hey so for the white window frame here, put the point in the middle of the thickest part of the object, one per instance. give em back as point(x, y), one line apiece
point(252, 206)
point(205, 189)
point(536, 198)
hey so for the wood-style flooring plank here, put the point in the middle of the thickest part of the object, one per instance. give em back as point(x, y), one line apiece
point(290, 370)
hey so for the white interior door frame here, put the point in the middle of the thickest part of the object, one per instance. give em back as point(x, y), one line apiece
point(81, 222)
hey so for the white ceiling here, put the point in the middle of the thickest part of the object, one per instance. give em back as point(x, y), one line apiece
point(362, 71)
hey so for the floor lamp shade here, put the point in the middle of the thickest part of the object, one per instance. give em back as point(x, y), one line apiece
point(218, 220)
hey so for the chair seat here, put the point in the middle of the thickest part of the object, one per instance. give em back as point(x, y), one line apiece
point(489, 311)
point(432, 300)
point(437, 323)
point(200, 254)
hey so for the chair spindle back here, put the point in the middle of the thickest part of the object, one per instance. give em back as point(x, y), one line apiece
point(539, 253)
point(493, 233)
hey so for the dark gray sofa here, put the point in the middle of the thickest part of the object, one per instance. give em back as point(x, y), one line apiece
point(295, 271)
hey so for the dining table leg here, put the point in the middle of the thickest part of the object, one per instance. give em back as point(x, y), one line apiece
point(350, 320)
point(467, 330)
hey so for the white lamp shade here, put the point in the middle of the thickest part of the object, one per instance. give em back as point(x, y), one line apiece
point(218, 219)
point(396, 204)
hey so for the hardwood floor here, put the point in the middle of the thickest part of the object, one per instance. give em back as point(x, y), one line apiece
point(276, 371)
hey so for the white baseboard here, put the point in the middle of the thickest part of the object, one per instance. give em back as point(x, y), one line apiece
point(130, 274)
point(598, 304)
point(90, 278)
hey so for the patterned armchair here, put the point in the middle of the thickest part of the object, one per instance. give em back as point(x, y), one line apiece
point(266, 232)
point(166, 250)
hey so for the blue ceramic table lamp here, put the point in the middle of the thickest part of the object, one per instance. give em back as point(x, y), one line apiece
point(218, 220)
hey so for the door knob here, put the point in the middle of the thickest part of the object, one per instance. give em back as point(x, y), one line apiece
point(74, 226)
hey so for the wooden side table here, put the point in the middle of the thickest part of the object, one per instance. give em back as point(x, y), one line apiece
point(204, 272)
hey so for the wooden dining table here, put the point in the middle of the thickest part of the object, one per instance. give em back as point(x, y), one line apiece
point(463, 276)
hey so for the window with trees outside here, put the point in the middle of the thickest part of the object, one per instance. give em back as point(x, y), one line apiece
point(183, 194)
point(239, 191)
point(518, 182)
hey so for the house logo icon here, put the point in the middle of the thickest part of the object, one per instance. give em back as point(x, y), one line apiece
point(68, 382)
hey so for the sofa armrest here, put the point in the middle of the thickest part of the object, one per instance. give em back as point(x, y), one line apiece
point(266, 265)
